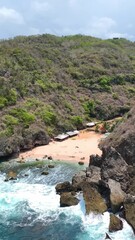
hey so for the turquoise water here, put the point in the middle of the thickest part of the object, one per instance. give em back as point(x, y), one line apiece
point(29, 210)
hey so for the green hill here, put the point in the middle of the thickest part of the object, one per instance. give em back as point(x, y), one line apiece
point(51, 84)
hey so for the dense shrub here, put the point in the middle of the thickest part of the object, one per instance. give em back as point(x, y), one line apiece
point(23, 116)
point(77, 121)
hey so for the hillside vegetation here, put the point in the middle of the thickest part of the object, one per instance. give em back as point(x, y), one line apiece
point(52, 84)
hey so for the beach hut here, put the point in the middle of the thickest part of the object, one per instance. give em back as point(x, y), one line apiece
point(72, 133)
point(90, 124)
point(61, 137)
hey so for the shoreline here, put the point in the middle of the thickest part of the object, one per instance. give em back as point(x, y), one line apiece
point(74, 149)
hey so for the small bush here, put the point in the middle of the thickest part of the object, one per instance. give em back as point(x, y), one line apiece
point(48, 115)
point(89, 107)
point(10, 120)
point(3, 102)
point(23, 116)
point(77, 121)
point(12, 97)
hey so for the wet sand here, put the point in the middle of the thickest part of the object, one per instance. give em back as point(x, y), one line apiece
point(73, 149)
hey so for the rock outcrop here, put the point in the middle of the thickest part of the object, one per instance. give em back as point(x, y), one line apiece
point(115, 223)
point(114, 167)
point(129, 210)
point(116, 195)
point(109, 180)
point(64, 187)
point(11, 175)
point(68, 199)
point(123, 138)
point(31, 137)
point(94, 202)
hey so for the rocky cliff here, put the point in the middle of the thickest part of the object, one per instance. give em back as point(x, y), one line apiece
point(108, 182)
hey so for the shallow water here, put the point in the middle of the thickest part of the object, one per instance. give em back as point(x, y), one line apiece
point(29, 210)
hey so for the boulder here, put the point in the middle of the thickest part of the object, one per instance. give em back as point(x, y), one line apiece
point(81, 163)
point(78, 179)
point(50, 166)
point(95, 160)
point(93, 174)
point(116, 195)
point(11, 175)
point(45, 173)
point(68, 199)
point(64, 187)
point(129, 210)
point(107, 236)
point(115, 223)
point(114, 167)
point(94, 202)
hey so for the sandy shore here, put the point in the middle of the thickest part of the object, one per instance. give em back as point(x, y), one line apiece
point(74, 149)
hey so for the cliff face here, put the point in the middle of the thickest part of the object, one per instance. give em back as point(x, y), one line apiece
point(110, 178)
point(123, 141)
point(123, 138)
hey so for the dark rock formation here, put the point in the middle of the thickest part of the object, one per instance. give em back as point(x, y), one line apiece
point(93, 199)
point(78, 179)
point(115, 224)
point(123, 138)
point(9, 147)
point(131, 189)
point(107, 236)
point(116, 195)
point(45, 173)
point(31, 137)
point(50, 166)
point(68, 199)
point(114, 167)
point(93, 175)
point(64, 187)
point(129, 210)
point(95, 160)
point(81, 163)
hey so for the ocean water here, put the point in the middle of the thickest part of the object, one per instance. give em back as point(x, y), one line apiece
point(30, 210)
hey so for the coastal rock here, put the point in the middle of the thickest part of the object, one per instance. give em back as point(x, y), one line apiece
point(9, 146)
point(64, 187)
point(45, 173)
point(81, 163)
point(114, 167)
point(94, 202)
point(131, 189)
point(93, 175)
point(78, 179)
point(116, 195)
point(129, 210)
point(32, 137)
point(95, 160)
point(115, 223)
point(107, 236)
point(50, 166)
point(11, 175)
point(68, 199)
point(123, 138)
